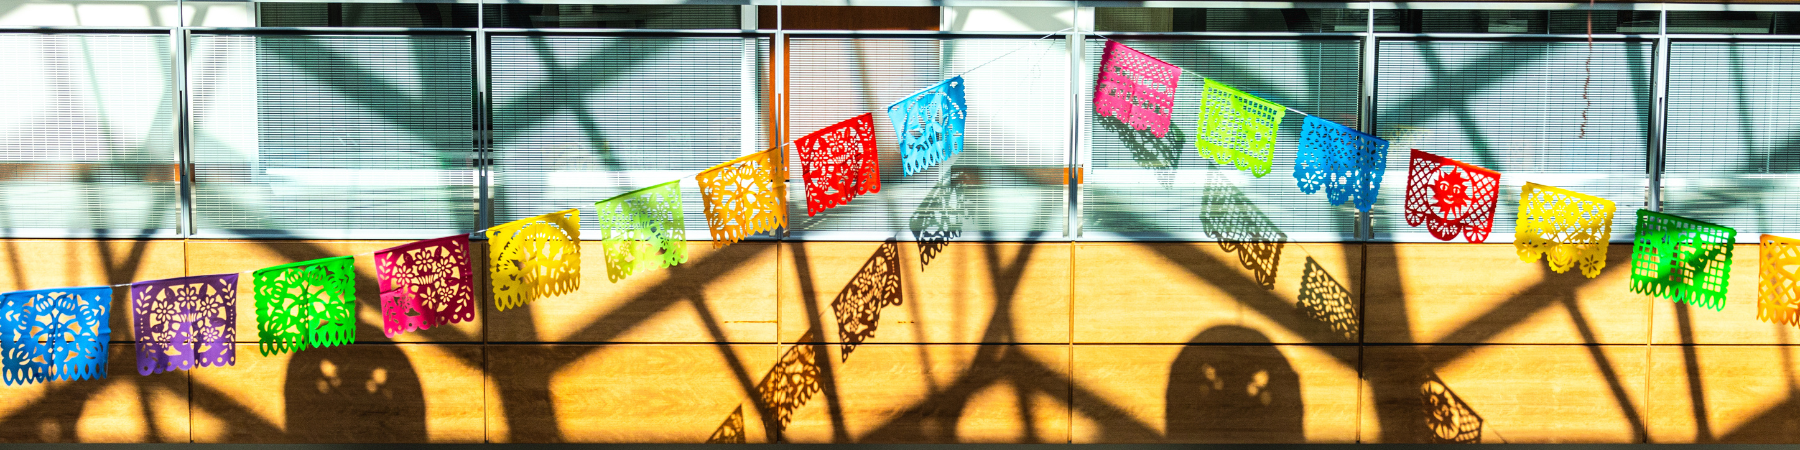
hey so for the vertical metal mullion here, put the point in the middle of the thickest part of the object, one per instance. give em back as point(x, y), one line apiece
point(484, 136)
point(1365, 220)
point(1659, 114)
point(1077, 47)
point(184, 159)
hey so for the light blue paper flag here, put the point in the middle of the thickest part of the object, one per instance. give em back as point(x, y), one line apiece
point(1346, 162)
point(929, 124)
point(55, 334)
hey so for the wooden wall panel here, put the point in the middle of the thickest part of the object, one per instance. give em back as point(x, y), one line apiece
point(1169, 292)
point(630, 393)
point(1724, 394)
point(1467, 294)
point(1215, 393)
point(900, 393)
point(734, 284)
point(1677, 323)
point(50, 263)
point(966, 288)
point(1504, 394)
point(353, 393)
point(121, 408)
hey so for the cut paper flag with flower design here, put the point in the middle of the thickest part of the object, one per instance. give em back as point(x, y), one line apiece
point(1346, 163)
point(839, 162)
point(1778, 281)
point(185, 322)
point(308, 304)
point(535, 257)
point(1570, 227)
point(1681, 259)
point(1136, 88)
point(54, 334)
point(1451, 197)
point(425, 284)
point(1238, 128)
point(745, 196)
point(929, 125)
point(643, 230)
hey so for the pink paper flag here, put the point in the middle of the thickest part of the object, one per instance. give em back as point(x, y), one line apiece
point(425, 284)
point(1136, 88)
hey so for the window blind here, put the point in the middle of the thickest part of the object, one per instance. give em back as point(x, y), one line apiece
point(1734, 136)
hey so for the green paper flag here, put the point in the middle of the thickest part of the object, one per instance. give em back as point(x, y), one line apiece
point(1238, 128)
point(643, 230)
point(305, 305)
point(1681, 259)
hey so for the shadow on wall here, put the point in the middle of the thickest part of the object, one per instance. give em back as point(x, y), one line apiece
point(875, 286)
point(1161, 156)
point(939, 219)
point(1233, 393)
point(1241, 228)
point(354, 393)
point(1325, 300)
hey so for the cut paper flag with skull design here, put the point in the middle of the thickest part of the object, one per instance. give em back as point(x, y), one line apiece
point(1565, 226)
point(1681, 259)
point(839, 162)
point(643, 230)
point(308, 304)
point(1136, 88)
point(1778, 281)
point(185, 322)
point(535, 257)
point(54, 334)
point(745, 196)
point(1238, 128)
point(929, 125)
point(1451, 197)
point(1347, 163)
point(425, 284)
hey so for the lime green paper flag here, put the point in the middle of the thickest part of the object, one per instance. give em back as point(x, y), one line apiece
point(1237, 128)
point(306, 305)
point(643, 230)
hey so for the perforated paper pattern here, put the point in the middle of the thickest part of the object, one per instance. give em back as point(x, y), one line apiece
point(791, 383)
point(1451, 197)
point(642, 230)
point(1681, 259)
point(1570, 227)
point(54, 334)
point(1778, 281)
point(184, 322)
point(425, 284)
point(1346, 163)
point(1238, 128)
point(1136, 88)
point(535, 257)
point(1323, 299)
point(307, 304)
point(929, 124)
point(839, 162)
point(745, 196)
point(858, 306)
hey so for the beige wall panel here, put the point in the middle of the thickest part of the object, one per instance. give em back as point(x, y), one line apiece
point(624, 393)
point(1215, 393)
point(736, 284)
point(954, 299)
point(353, 393)
point(900, 393)
point(123, 407)
point(1482, 293)
point(1504, 394)
point(1736, 324)
point(1170, 292)
point(214, 257)
point(1748, 394)
point(51, 263)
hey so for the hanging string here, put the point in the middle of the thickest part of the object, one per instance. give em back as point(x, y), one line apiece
point(1015, 50)
point(1587, 67)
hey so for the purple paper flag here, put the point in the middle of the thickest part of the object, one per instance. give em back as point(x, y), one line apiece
point(425, 284)
point(183, 321)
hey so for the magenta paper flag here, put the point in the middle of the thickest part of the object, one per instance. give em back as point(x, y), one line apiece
point(425, 284)
point(1136, 88)
point(183, 322)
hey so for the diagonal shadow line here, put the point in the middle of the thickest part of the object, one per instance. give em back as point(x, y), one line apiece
point(738, 369)
point(1703, 431)
point(227, 406)
point(1606, 370)
point(827, 376)
point(605, 71)
point(1541, 295)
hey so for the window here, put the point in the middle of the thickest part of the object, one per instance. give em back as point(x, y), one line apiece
point(1734, 136)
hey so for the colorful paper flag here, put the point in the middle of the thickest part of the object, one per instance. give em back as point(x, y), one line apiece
point(1568, 226)
point(535, 257)
point(1778, 280)
point(1681, 259)
point(643, 230)
point(1238, 128)
point(929, 124)
point(1451, 197)
point(839, 163)
point(425, 284)
point(745, 196)
point(1136, 88)
point(308, 304)
point(54, 334)
point(1347, 163)
point(184, 322)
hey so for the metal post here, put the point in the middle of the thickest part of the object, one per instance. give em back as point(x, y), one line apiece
point(484, 134)
point(1077, 40)
point(1365, 221)
point(184, 159)
point(1659, 114)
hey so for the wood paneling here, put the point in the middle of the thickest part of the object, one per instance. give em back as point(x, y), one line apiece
point(900, 393)
point(121, 408)
point(1724, 394)
point(1504, 394)
point(51, 263)
point(1677, 323)
point(1215, 393)
point(722, 295)
point(850, 17)
point(1170, 292)
point(1024, 288)
point(639, 393)
point(1467, 294)
point(352, 393)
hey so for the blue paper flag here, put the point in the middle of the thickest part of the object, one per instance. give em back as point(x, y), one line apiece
point(1346, 162)
point(54, 334)
point(929, 124)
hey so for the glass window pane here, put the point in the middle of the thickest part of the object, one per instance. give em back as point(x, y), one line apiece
point(1734, 136)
